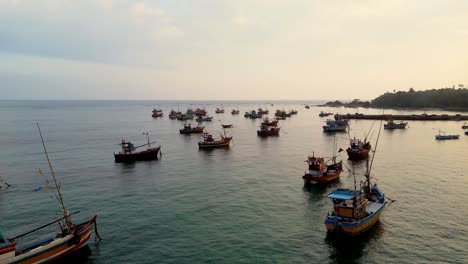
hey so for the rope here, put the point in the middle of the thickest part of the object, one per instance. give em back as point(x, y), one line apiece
point(96, 231)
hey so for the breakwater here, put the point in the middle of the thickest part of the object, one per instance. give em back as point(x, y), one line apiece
point(421, 117)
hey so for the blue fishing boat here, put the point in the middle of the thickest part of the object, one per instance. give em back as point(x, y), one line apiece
point(356, 210)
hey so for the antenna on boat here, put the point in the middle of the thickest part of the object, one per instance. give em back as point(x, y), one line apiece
point(373, 156)
point(65, 212)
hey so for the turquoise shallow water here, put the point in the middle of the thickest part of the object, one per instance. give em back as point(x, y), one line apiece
point(245, 204)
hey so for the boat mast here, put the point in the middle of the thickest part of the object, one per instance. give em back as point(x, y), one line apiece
point(65, 212)
point(372, 161)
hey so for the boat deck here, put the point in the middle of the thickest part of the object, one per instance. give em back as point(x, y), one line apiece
point(373, 207)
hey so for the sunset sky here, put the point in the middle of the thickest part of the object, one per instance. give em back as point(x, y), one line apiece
point(229, 49)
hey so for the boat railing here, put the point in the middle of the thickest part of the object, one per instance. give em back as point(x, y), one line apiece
point(37, 241)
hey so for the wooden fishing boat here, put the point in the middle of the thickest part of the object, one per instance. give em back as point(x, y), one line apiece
point(184, 117)
point(356, 210)
point(210, 142)
point(464, 126)
point(263, 112)
point(188, 129)
point(227, 126)
point(204, 119)
point(252, 114)
point(200, 112)
point(266, 131)
point(282, 113)
point(307, 106)
point(293, 112)
point(319, 172)
point(392, 125)
point(323, 114)
point(268, 122)
point(173, 114)
point(157, 113)
point(235, 111)
point(333, 125)
point(52, 247)
point(446, 137)
point(358, 150)
point(129, 152)
point(220, 110)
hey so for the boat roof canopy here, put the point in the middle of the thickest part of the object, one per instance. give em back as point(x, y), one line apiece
point(343, 194)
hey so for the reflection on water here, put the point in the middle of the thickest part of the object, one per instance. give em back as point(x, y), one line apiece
point(350, 249)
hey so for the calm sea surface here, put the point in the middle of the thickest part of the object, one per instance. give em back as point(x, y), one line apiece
point(245, 204)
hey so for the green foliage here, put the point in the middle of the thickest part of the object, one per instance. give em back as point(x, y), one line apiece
point(435, 98)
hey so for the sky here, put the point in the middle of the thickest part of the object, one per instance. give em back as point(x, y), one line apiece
point(229, 49)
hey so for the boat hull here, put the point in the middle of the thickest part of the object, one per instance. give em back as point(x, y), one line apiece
point(150, 154)
point(313, 179)
point(191, 131)
point(57, 249)
point(357, 155)
point(335, 225)
point(217, 144)
point(268, 133)
point(334, 128)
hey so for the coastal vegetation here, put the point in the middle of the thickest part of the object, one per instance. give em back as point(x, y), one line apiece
point(436, 98)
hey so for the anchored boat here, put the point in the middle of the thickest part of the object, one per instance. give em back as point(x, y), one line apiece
point(266, 131)
point(129, 152)
point(204, 119)
point(334, 125)
point(356, 210)
point(319, 172)
point(188, 129)
point(210, 142)
point(392, 125)
point(157, 113)
point(52, 247)
point(358, 150)
point(443, 136)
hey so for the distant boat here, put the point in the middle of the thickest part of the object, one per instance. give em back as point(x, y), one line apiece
point(200, 112)
point(307, 106)
point(466, 133)
point(333, 125)
point(443, 136)
point(173, 114)
point(323, 114)
point(266, 131)
point(227, 126)
point(220, 110)
point(52, 247)
point(157, 113)
point(392, 125)
point(184, 116)
point(252, 115)
point(268, 122)
point(319, 172)
point(204, 119)
point(464, 126)
point(282, 113)
point(129, 152)
point(188, 129)
point(263, 112)
point(210, 142)
point(358, 150)
point(356, 210)
point(293, 112)
point(235, 111)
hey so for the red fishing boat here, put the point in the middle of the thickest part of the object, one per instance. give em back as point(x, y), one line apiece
point(129, 152)
point(200, 112)
point(358, 149)
point(188, 129)
point(319, 172)
point(266, 131)
point(272, 123)
point(157, 113)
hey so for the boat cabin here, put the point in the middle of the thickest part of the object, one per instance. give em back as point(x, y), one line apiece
point(316, 164)
point(349, 204)
point(208, 138)
point(127, 147)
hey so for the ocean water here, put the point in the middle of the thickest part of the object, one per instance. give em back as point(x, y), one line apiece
point(245, 204)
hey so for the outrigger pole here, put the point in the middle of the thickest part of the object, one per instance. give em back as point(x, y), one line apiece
point(65, 213)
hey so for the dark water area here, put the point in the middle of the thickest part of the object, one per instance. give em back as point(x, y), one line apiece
point(244, 204)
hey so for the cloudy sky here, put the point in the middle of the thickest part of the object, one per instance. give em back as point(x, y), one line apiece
point(229, 49)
